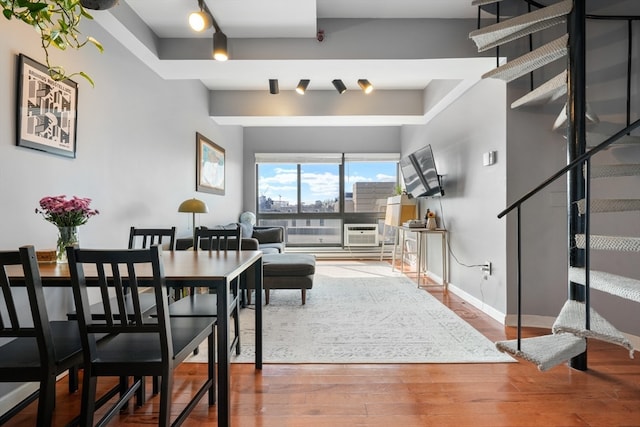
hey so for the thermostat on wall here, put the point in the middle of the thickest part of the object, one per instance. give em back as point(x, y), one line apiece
point(489, 158)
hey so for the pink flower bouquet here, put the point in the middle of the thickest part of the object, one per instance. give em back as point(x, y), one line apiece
point(66, 213)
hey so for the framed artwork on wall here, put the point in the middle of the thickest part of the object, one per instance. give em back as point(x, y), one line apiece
point(47, 110)
point(210, 166)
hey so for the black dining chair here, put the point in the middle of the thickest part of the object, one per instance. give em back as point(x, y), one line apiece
point(137, 345)
point(205, 305)
point(146, 237)
point(40, 349)
point(139, 238)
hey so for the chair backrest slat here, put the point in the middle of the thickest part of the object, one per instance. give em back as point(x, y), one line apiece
point(152, 236)
point(218, 238)
point(31, 281)
point(12, 323)
point(117, 271)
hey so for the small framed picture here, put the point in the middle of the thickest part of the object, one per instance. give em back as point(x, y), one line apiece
point(210, 166)
point(47, 110)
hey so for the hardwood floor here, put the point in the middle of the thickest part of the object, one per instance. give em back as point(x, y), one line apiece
point(412, 395)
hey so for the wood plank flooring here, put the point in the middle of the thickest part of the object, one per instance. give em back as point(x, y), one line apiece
point(412, 395)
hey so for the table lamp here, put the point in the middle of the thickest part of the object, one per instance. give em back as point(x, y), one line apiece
point(194, 206)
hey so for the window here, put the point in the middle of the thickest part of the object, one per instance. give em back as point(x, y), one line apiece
point(367, 184)
point(313, 195)
point(319, 188)
point(277, 187)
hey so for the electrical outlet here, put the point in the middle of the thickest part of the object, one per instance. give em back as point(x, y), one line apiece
point(486, 268)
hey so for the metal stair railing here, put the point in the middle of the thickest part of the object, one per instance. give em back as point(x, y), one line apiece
point(585, 159)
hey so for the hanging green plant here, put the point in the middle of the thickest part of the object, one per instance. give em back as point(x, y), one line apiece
point(57, 23)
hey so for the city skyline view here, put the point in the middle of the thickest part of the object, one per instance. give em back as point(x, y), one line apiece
point(318, 182)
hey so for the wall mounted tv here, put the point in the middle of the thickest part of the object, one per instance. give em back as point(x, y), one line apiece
point(420, 176)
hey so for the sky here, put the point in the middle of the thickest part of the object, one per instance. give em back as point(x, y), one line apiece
point(319, 181)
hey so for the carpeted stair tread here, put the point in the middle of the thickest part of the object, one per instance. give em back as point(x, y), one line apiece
point(595, 138)
point(612, 171)
point(520, 26)
point(572, 320)
point(545, 351)
point(483, 2)
point(561, 120)
point(546, 92)
point(610, 243)
point(531, 61)
point(507, 7)
point(609, 205)
point(620, 286)
point(601, 131)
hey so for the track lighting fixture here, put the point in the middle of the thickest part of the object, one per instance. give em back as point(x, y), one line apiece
point(201, 20)
point(340, 87)
point(273, 86)
point(220, 52)
point(302, 86)
point(365, 85)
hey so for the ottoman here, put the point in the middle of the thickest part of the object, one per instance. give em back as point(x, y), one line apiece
point(287, 271)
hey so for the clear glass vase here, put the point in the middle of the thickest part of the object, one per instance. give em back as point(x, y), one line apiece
point(67, 236)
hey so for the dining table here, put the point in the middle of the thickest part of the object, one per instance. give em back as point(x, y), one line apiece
point(213, 269)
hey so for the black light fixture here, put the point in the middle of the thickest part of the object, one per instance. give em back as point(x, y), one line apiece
point(340, 87)
point(220, 52)
point(201, 20)
point(302, 86)
point(273, 86)
point(365, 85)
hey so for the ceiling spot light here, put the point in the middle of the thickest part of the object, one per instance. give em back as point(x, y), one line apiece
point(200, 21)
point(340, 87)
point(220, 52)
point(365, 85)
point(302, 86)
point(273, 87)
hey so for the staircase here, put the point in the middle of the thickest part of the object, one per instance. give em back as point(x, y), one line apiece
point(577, 321)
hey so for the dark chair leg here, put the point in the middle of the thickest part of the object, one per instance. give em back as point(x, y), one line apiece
point(73, 379)
point(46, 401)
point(166, 385)
point(211, 368)
point(89, 384)
point(141, 397)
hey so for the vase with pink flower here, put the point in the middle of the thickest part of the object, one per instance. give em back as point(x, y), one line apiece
point(67, 215)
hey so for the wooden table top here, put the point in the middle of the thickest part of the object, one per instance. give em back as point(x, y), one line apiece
point(178, 266)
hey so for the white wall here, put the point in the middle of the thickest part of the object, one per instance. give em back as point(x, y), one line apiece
point(474, 194)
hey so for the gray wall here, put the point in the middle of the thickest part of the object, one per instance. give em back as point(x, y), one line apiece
point(474, 194)
point(135, 156)
point(135, 148)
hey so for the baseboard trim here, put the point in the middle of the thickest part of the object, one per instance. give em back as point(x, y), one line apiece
point(16, 396)
point(477, 303)
point(530, 321)
point(20, 393)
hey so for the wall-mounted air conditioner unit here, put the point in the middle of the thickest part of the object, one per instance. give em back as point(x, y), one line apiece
point(361, 235)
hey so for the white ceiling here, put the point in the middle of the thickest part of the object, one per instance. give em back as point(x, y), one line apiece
point(290, 19)
point(286, 18)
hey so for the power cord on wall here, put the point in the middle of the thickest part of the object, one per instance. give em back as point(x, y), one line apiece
point(453, 255)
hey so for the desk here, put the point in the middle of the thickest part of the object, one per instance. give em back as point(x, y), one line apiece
point(422, 232)
point(195, 268)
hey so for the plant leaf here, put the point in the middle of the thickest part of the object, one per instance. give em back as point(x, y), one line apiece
point(89, 79)
point(96, 43)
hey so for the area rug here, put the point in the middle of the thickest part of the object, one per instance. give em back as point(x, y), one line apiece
point(361, 312)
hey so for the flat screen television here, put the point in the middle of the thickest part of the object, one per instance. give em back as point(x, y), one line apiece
point(419, 172)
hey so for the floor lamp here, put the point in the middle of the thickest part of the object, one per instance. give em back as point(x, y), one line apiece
point(193, 206)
